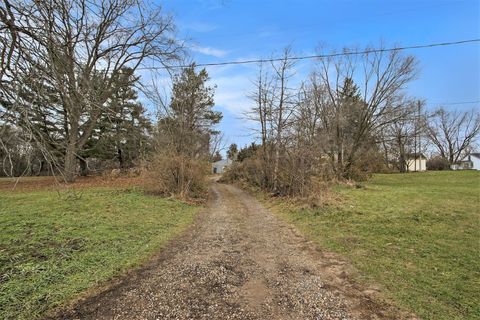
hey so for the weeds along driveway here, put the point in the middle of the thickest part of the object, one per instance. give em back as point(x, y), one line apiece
point(237, 262)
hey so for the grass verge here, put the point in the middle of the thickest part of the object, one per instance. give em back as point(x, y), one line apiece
point(417, 234)
point(54, 246)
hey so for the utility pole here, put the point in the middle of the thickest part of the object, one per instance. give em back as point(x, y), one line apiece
point(419, 105)
point(415, 142)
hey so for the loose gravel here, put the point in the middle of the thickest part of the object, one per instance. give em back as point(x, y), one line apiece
point(238, 261)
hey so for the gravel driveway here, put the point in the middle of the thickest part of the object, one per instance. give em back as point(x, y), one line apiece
point(237, 262)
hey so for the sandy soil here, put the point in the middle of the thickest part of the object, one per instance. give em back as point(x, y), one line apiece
point(238, 261)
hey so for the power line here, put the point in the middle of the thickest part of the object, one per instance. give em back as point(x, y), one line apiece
point(454, 103)
point(239, 62)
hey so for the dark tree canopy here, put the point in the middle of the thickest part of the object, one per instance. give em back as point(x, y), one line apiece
point(123, 132)
point(189, 120)
point(232, 152)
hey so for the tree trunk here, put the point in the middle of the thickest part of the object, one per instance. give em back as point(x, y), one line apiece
point(402, 164)
point(402, 159)
point(83, 167)
point(70, 164)
point(120, 158)
point(40, 169)
point(275, 168)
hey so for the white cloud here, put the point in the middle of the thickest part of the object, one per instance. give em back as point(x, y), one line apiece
point(213, 4)
point(231, 97)
point(209, 51)
point(232, 92)
point(235, 102)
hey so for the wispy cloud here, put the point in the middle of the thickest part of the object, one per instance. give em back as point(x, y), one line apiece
point(209, 51)
point(214, 4)
point(232, 92)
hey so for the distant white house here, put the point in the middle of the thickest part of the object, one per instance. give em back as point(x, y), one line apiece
point(470, 162)
point(220, 166)
point(416, 162)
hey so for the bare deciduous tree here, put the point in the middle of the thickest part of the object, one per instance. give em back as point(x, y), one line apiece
point(274, 101)
point(403, 136)
point(329, 126)
point(453, 132)
point(65, 56)
point(217, 144)
point(381, 78)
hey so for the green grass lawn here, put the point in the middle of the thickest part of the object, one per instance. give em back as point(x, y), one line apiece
point(54, 246)
point(417, 234)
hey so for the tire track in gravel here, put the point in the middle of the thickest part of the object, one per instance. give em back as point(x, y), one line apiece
point(238, 261)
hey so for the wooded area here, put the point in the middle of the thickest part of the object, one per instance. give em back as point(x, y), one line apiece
point(352, 117)
point(70, 105)
point(69, 94)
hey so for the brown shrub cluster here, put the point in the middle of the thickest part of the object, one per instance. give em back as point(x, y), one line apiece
point(304, 190)
point(175, 175)
point(438, 163)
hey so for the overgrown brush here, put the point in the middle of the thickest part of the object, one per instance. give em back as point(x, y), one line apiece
point(304, 191)
point(438, 163)
point(175, 175)
point(249, 171)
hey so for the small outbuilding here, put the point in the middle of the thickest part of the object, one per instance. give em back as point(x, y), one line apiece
point(416, 162)
point(470, 162)
point(220, 166)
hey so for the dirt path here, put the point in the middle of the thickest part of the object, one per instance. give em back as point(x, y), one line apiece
point(237, 262)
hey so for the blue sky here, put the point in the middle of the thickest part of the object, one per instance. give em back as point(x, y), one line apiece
point(233, 30)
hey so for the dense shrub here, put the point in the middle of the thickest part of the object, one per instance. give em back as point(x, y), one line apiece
point(304, 188)
point(294, 176)
point(368, 162)
point(438, 163)
point(248, 152)
point(175, 175)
